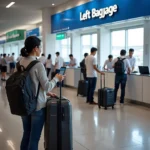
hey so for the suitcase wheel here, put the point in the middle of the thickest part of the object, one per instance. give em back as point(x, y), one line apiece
point(113, 107)
point(99, 107)
point(105, 108)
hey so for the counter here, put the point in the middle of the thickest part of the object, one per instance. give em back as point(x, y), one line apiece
point(137, 89)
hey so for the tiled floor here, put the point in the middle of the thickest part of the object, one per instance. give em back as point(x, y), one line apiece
point(124, 128)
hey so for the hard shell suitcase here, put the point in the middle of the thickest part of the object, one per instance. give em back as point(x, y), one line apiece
point(58, 125)
point(82, 87)
point(105, 96)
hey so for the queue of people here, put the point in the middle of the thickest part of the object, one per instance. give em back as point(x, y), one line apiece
point(4, 61)
point(90, 70)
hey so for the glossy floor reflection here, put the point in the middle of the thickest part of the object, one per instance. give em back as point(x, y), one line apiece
point(126, 128)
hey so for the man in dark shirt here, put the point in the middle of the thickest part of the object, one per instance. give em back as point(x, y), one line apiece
point(83, 67)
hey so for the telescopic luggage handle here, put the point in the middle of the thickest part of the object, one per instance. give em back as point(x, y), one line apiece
point(102, 80)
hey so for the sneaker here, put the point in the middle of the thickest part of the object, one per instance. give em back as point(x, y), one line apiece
point(93, 103)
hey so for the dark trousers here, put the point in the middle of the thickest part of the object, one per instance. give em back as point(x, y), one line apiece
point(91, 89)
point(48, 71)
point(120, 79)
point(32, 127)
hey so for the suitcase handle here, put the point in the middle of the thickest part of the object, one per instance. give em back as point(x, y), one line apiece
point(102, 80)
point(59, 119)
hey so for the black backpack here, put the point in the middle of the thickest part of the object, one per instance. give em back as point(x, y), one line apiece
point(119, 66)
point(19, 90)
point(82, 66)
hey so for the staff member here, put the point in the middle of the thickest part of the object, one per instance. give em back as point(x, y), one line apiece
point(73, 61)
point(91, 71)
point(42, 59)
point(131, 59)
point(108, 63)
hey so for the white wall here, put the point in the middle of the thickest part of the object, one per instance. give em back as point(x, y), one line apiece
point(146, 43)
point(104, 44)
point(76, 46)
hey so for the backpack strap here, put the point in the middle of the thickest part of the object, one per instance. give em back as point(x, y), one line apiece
point(28, 69)
point(118, 58)
point(19, 67)
point(123, 59)
point(31, 65)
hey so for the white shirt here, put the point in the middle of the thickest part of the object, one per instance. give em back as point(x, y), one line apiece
point(19, 58)
point(89, 62)
point(132, 61)
point(12, 59)
point(48, 63)
point(7, 58)
point(59, 62)
point(126, 63)
point(73, 61)
point(109, 64)
point(42, 59)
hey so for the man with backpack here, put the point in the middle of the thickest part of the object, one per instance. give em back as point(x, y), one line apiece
point(83, 67)
point(121, 68)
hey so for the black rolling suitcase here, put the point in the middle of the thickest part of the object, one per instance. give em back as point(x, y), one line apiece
point(82, 87)
point(58, 125)
point(105, 96)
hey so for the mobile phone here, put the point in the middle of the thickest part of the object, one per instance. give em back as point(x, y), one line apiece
point(62, 70)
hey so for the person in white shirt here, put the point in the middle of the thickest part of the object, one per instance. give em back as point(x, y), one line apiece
point(19, 58)
point(131, 59)
point(4, 67)
point(42, 59)
point(121, 74)
point(59, 62)
point(108, 63)
point(91, 71)
point(73, 61)
point(48, 64)
point(12, 63)
point(8, 58)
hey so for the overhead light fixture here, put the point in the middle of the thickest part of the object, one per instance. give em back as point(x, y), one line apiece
point(9, 5)
point(53, 4)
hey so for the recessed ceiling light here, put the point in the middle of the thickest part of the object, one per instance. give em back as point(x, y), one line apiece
point(9, 5)
point(53, 4)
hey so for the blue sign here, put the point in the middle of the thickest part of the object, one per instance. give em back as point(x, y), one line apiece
point(34, 32)
point(3, 41)
point(99, 12)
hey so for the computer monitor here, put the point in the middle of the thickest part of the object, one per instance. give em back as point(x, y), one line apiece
point(144, 69)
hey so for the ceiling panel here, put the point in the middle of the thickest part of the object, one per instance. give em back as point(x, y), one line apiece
point(24, 12)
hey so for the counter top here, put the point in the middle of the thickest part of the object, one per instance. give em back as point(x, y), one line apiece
point(136, 74)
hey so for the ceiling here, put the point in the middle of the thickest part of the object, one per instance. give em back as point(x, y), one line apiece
point(23, 13)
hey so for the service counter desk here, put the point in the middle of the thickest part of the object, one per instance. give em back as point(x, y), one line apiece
point(137, 89)
point(72, 77)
